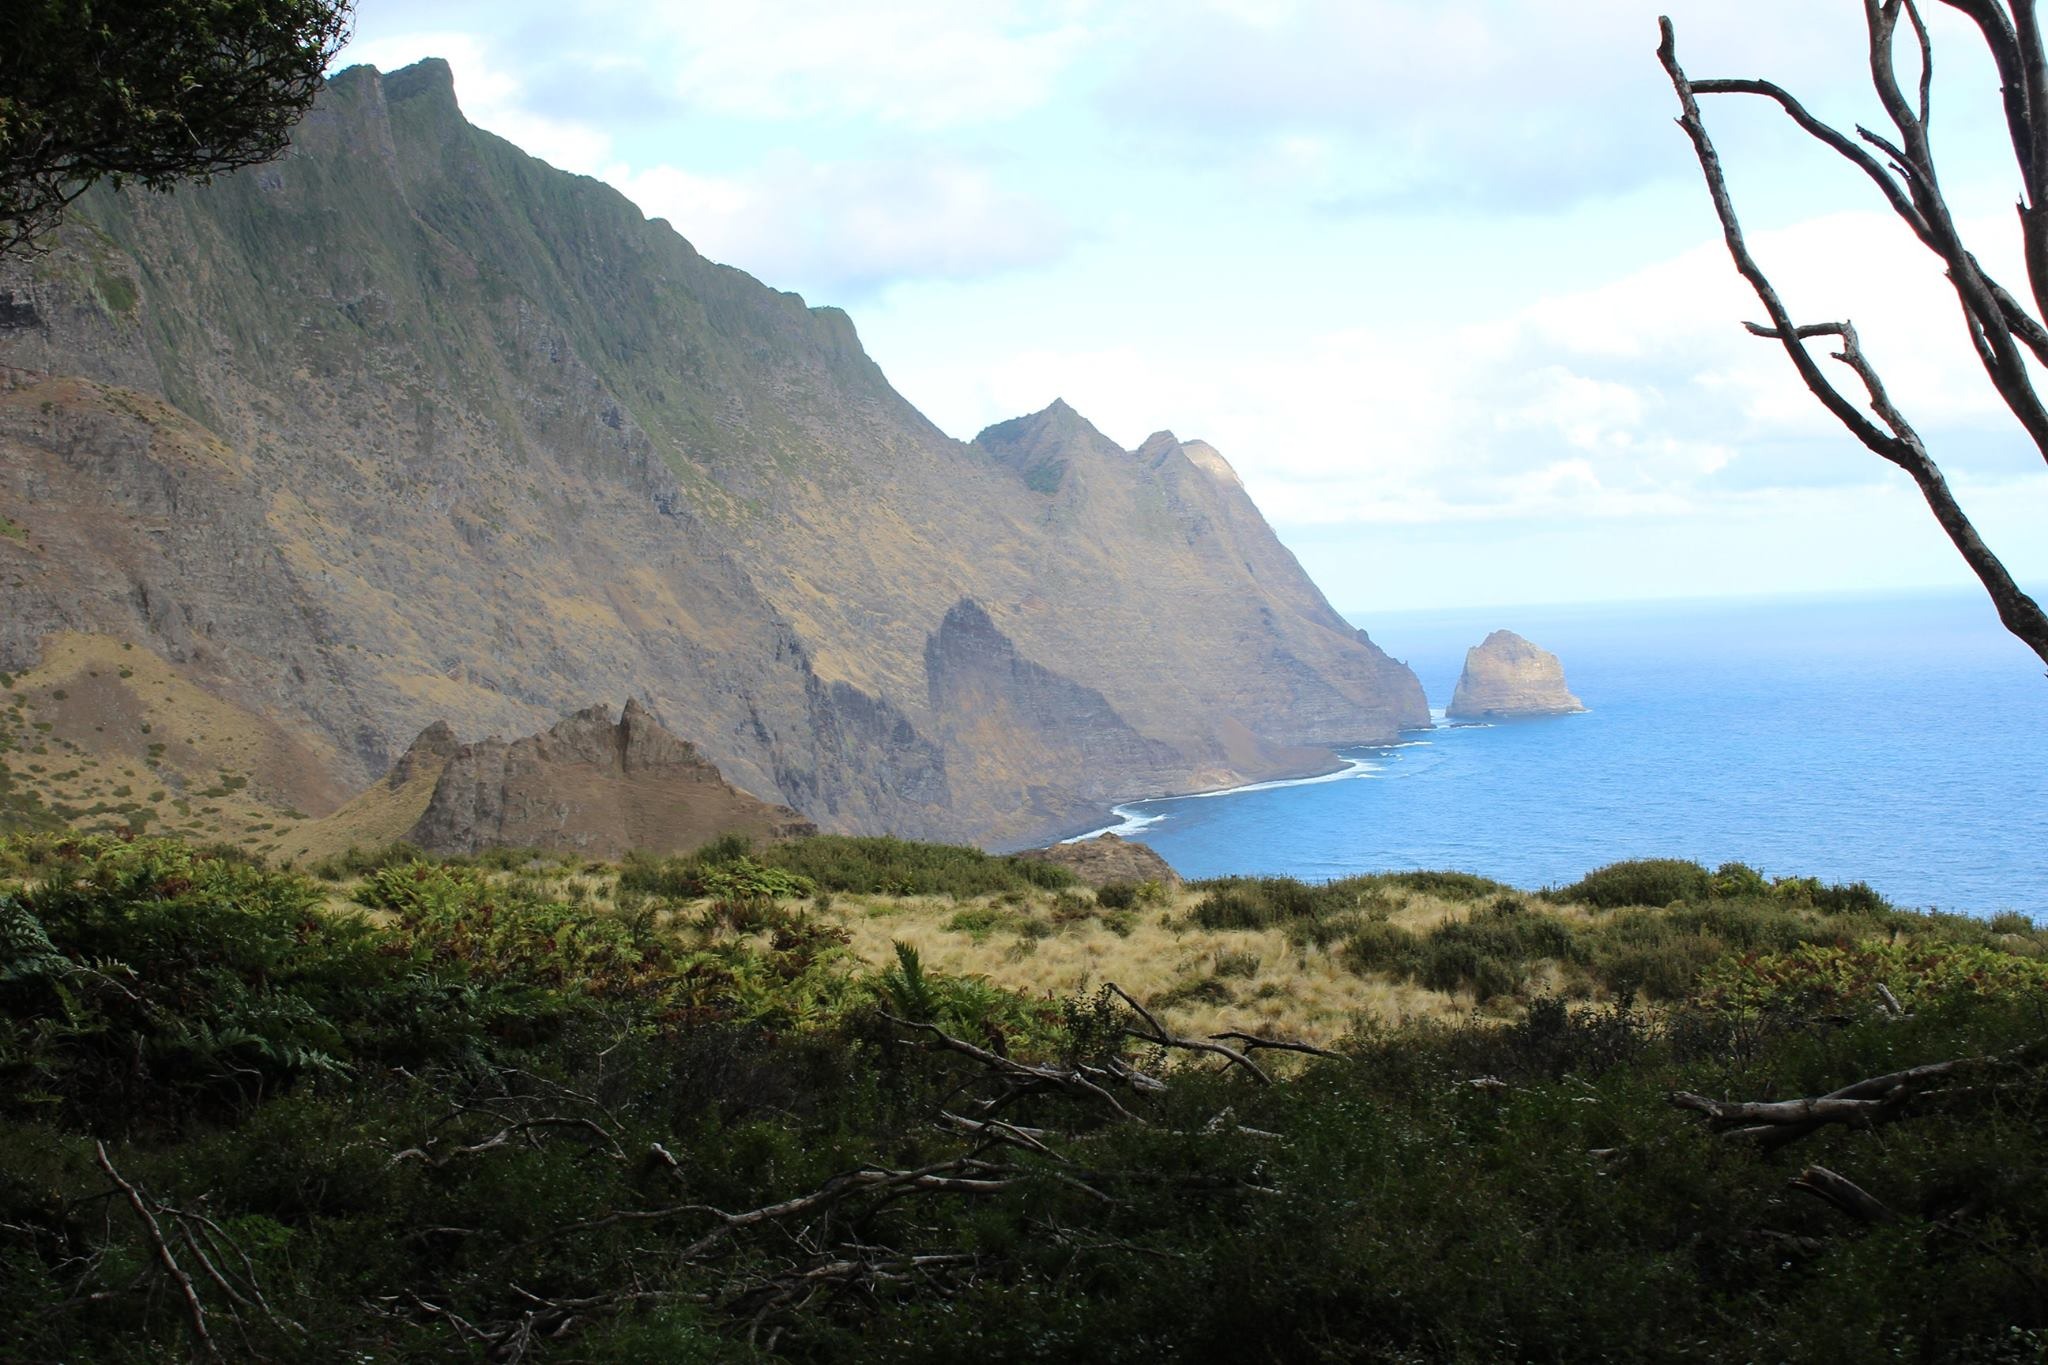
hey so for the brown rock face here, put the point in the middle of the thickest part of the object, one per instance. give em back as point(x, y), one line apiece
point(1107, 858)
point(1506, 676)
point(409, 426)
point(588, 785)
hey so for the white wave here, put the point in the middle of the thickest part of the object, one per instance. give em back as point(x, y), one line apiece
point(1130, 822)
point(1134, 821)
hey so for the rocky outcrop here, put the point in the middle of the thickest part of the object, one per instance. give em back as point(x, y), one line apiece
point(589, 785)
point(1505, 676)
point(409, 426)
point(1107, 858)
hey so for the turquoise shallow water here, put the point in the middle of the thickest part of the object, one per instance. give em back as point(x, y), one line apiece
point(1898, 741)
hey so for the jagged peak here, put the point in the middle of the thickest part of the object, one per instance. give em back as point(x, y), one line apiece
point(1209, 459)
point(1057, 418)
point(428, 78)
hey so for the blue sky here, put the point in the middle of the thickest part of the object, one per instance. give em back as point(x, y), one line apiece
point(1439, 278)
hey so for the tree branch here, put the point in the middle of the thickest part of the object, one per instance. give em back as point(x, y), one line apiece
point(1985, 308)
point(154, 1232)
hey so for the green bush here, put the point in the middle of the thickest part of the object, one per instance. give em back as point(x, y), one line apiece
point(1385, 948)
point(1453, 886)
point(1644, 881)
point(883, 866)
point(356, 862)
point(1117, 895)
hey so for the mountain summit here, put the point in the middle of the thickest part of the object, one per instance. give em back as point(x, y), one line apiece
point(410, 427)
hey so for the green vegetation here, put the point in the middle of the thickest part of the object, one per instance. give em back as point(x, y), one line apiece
point(449, 1113)
point(1646, 928)
point(159, 91)
point(878, 866)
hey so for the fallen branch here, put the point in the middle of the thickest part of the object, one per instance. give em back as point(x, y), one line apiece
point(1774, 1123)
point(1252, 1043)
point(155, 1233)
point(1024, 1077)
point(503, 1136)
point(1160, 1036)
point(1844, 1194)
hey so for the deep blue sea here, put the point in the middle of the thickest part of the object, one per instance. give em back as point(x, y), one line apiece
point(1901, 741)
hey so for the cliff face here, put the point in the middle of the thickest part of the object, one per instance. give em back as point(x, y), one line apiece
point(1507, 676)
point(409, 426)
point(588, 785)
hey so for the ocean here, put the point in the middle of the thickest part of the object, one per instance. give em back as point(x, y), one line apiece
point(1900, 741)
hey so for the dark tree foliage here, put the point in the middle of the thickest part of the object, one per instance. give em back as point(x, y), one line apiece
point(156, 91)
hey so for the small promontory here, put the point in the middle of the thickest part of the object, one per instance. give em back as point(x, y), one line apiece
point(589, 785)
point(1506, 676)
point(1107, 858)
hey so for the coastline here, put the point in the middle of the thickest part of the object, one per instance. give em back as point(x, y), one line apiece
point(1338, 769)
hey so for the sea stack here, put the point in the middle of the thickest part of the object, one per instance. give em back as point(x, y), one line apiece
point(1505, 676)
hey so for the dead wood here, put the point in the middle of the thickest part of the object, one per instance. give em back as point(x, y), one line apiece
point(1844, 1194)
point(1775, 1123)
point(1253, 1042)
point(1156, 1032)
point(153, 1231)
point(1997, 324)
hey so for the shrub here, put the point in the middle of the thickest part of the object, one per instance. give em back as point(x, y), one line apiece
point(355, 862)
point(1382, 947)
point(1117, 895)
point(1255, 902)
point(1452, 886)
point(1644, 881)
point(1822, 977)
point(902, 867)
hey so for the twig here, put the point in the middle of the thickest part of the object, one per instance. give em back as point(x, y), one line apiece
point(1160, 1036)
point(154, 1231)
point(1252, 1043)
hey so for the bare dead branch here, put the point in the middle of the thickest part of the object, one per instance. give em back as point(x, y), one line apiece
point(505, 1135)
point(1926, 64)
point(1073, 1082)
point(1158, 1034)
point(1984, 305)
point(153, 1231)
point(1774, 1123)
point(1252, 1043)
point(1844, 1194)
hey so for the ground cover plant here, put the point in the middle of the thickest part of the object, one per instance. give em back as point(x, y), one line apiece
point(446, 1111)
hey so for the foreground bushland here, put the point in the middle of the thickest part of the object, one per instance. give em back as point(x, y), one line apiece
point(448, 1113)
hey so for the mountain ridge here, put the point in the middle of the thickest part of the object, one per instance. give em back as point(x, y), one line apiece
point(410, 427)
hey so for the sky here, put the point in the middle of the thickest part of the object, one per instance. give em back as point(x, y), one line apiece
point(1439, 277)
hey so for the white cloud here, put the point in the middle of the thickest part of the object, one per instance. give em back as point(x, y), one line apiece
point(1437, 104)
point(846, 228)
point(1643, 398)
point(921, 64)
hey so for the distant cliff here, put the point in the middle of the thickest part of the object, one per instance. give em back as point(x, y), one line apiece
point(1507, 676)
point(411, 427)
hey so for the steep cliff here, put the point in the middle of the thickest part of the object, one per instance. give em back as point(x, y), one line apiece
point(1506, 676)
point(410, 426)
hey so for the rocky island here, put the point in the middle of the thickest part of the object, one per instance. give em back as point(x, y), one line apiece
point(1506, 676)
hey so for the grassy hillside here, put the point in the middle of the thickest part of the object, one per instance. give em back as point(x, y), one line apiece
point(861, 1099)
